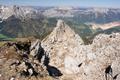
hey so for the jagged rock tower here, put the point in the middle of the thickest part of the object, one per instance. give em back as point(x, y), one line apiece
point(61, 43)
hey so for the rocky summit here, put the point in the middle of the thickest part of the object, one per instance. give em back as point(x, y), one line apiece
point(61, 43)
point(79, 61)
point(62, 55)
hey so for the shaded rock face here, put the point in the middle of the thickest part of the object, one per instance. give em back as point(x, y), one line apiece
point(25, 61)
point(87, 62)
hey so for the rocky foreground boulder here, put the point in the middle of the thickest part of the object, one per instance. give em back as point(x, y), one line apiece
point(62, 55)
point(25, 61)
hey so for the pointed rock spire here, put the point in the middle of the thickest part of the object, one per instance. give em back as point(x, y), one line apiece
point(61, 43)
point(60, 23)
point(62, 32)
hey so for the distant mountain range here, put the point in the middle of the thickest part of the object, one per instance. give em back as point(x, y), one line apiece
point(25, 21)
point(99, 15)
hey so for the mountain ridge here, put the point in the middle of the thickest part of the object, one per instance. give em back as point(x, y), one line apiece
point(61, 55)
point(26, 21)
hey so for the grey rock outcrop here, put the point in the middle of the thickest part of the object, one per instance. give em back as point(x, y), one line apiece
point(103, 52)
point(35, 47)
point(62, 42)
point(83, 62)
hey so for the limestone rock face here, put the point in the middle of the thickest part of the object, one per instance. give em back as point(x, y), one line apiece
point(61, 43)
point(83, 62)
point(102, 53)
point(63, 33)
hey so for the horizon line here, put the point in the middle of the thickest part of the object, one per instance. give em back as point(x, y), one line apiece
point(59, 6)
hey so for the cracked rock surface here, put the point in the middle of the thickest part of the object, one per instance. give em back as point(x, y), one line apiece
point(83, 62)
point(62, 55)
point(25, 61)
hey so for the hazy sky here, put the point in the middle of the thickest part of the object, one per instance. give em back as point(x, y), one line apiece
point(82, 3)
